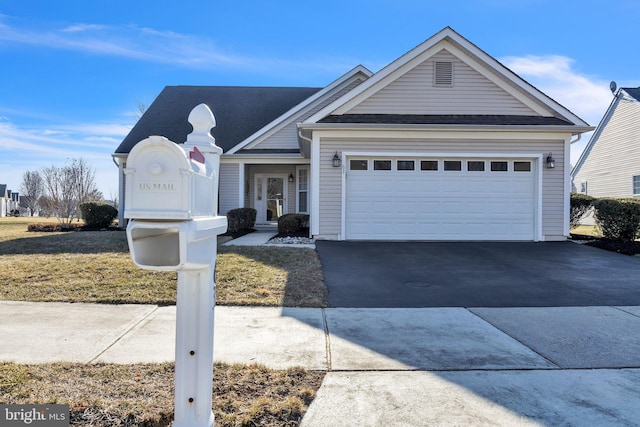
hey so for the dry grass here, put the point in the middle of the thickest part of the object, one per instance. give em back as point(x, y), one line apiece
point(290, 277)
point(94, 266)
point(133, 395)
point(587, 230)
point(91, 266)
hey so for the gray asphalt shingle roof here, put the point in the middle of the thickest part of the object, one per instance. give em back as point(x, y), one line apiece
point(239, 111)
point(633, 91)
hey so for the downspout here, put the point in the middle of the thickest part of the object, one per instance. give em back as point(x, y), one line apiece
point(300, 135)
point(576, 140)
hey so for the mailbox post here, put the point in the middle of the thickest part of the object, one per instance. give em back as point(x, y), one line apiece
point(171, 201)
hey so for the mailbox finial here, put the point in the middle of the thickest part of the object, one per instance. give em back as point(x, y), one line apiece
point(202, 120)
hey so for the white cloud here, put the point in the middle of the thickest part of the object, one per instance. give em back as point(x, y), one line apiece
point(76, 28)
point(585, 96)
point(167, 47)
point(31, 148)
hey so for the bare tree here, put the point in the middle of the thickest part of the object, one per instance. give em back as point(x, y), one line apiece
point(33, 188)
point(68, 187)
point(142, 107)
point(113, 197)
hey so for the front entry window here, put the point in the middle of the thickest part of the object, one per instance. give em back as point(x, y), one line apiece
point(275, 198)
point(302, 189)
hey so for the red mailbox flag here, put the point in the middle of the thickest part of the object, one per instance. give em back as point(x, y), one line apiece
point(196, 155)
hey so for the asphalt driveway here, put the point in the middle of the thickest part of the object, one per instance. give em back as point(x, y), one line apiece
point(477, 274)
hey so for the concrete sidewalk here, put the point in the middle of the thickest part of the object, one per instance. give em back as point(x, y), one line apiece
point(410, 367)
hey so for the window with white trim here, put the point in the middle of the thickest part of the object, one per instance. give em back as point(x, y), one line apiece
point(406, 165)
point(358, 165)
point(636, 185)
point(302, 189)
point(583, 187)
point(522, 166)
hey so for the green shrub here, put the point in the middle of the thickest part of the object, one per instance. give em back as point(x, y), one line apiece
point(580, 204)
point(618, 219)
point(98, 215)
point(290, 223)
point(241, 219)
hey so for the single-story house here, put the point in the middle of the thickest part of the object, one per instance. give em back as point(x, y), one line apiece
point(444, 143)
point(610, 163)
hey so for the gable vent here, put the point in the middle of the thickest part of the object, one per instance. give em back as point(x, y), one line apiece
point(443, 73)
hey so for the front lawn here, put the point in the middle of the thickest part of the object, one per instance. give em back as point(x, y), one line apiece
point(133, 395)
point(94, 266)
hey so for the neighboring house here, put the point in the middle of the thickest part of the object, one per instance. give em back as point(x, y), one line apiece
point(9, 201)
point(4, 200)
point(610, 163)
point(444, 143)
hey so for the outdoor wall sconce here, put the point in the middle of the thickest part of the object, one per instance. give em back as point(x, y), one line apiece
point(336, 160)
point(551, 163)
point(291, 177)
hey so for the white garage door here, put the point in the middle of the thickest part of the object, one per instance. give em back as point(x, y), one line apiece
point(440, 199)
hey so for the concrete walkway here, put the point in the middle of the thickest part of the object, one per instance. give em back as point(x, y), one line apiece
point(408, 367)
point(261, 237)
point(257, 238)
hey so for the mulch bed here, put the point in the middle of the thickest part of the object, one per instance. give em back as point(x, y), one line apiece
point(625, 248)
point(619, 246)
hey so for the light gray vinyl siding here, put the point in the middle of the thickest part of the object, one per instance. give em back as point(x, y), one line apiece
point(229, 187)
point(330, 195)
point(615, 156)
point(414, 93)
point(287, 137)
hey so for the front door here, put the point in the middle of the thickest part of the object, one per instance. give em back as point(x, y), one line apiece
point(270, 198)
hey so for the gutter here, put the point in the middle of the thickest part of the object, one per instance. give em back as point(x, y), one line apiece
point(427, 127)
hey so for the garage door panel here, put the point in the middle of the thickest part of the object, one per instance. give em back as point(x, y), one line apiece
point(442, 205)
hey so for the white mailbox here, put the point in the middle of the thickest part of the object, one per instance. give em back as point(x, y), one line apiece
point(164, 182)
point(171, 202)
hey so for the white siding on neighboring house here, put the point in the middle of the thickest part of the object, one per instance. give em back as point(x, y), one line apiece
point(229, 187)
point(615, 156)
point(415, 93)
point(330, 195)
point(286, 137)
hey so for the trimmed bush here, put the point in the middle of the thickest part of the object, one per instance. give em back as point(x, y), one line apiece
point(98, 215)
point(580, 205)
point(51, 227)
point(241, 219)
point(290, 223)
point(618, 219)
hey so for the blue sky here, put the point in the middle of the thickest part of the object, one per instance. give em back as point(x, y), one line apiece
point(73, 72)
